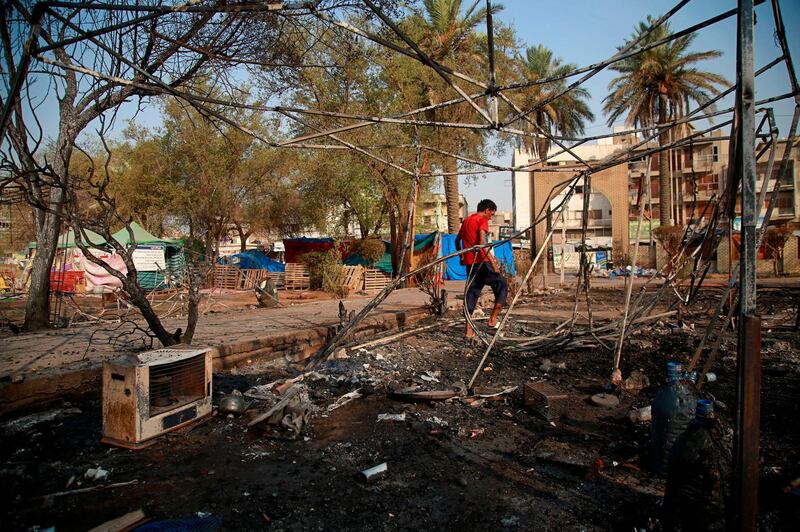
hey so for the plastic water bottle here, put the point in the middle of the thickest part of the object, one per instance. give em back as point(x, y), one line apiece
point(673, 409)
point(698, 476)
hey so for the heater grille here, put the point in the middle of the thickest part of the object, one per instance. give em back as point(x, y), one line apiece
point(176, 383)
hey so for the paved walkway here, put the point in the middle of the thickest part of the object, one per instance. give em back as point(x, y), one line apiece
point(87, 345)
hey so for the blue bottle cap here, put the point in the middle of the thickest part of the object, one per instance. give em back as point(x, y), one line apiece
point(674, 370)
point(704, 408)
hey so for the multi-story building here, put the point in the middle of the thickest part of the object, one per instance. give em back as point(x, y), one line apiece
point(432, 212)
point(16, 225)
point(500, 220)
point(698, 169)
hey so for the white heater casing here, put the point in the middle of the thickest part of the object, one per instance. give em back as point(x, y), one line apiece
point(150, 393)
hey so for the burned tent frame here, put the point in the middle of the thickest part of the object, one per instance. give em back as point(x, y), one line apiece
point(741, 170)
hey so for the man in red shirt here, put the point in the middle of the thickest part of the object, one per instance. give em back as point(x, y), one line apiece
point(482, 267)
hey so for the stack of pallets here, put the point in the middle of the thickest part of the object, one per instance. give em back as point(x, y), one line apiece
point(296, 277)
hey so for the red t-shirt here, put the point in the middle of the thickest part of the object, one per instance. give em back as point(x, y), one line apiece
point(469, 235)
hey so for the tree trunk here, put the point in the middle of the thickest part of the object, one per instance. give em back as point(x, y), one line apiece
point(37, 308)
point(139, 300)
point(242, 237)
point(393, 239)
point(664, 180)
point(451, 195)
point(195, 296)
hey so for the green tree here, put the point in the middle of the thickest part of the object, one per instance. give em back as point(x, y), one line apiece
point(206, 176)
point(565, 115)
point(657, 86)
point(448, 33)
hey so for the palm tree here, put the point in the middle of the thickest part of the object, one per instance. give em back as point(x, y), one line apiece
point(565, 115)
point(448, 36)
point(655, 87)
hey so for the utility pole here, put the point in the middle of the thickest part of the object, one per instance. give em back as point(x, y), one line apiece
point(748, 389)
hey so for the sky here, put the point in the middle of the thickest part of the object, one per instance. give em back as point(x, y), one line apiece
point(584, 32)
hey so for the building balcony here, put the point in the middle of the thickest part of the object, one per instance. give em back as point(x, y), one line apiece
point(704, 162)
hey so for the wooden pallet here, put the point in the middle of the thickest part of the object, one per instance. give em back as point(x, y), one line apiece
point(353, 277)
point(250, 278)
point(375, 280)
point(227, 277)
point(296, 277)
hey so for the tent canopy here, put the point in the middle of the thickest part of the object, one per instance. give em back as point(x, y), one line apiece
point(140, 234)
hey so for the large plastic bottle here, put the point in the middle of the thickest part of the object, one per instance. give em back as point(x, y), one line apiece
point(672, 410)
point(698, 476)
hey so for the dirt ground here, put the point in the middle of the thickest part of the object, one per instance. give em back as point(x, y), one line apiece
point(455, 464)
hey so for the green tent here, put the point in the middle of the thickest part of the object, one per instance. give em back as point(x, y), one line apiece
point(173, 252)
point(142, 236)
point(175, 261)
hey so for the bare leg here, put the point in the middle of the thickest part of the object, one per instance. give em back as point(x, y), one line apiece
point(495, 314)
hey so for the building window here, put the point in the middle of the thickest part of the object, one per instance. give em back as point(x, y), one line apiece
point(5, 219)
point(715, 154)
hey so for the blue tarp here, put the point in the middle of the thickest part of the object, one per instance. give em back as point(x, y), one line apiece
point(455, 271)
point(384, 264)
point(253, 259)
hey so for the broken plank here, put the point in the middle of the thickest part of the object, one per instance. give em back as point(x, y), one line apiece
point(125, 522)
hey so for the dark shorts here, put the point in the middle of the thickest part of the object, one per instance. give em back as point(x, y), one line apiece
point(480, 275)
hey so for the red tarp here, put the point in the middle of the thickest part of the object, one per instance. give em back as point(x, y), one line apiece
point(300, 246)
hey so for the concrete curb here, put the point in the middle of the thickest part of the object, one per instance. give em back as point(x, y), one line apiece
point(297, 345)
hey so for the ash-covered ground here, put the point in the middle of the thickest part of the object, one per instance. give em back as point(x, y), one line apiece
point(463, 463)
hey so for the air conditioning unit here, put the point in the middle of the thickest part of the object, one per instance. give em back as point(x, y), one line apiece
point(150, 393)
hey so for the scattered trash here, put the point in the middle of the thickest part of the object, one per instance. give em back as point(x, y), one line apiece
point(375, 472)
point(97, 474)
point(616, 377)
point(488, 392)
point(233, 403)
point(545, 399)
point(548, 365)
point(346, 398)
point(292, 411)
point(711, 377)
point(605, 399)
point(471, 433)
point(438, 421)
point(635, 382)
point(417, 393)
point(640, 415)
point(430, 376)
point(392, 417)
